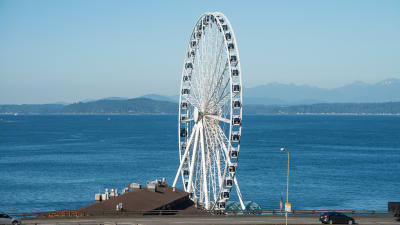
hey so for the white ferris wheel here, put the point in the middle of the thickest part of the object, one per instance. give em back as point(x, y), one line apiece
point(210, 113)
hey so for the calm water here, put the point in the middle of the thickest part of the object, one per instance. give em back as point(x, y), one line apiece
point(337, 162)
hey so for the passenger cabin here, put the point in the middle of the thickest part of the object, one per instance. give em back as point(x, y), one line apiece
point(221, 20)
point(234, 154)
point(222, 205)
point(183, 117)
point(228, 36)
point(231, 46)
point(186, 172)
point(198, 35)
point(185, 91)
point(234, 60)
point(236, 137)
point(183, 132)
point(232, 168)
point(184, 105)
point(235, 73)
point(191, 54)
point(205, 22)
point(200, 27)
point(225, 194)
point(236, 88)
point(228, 182)
point(186, 184)
point(236, 104)
point(236, 120)
point(189, 65)
point(187, 78)
point(183, 146)
point(193, 44)
point(225, 27)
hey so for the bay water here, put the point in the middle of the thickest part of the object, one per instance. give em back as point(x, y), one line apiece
point(50, 162)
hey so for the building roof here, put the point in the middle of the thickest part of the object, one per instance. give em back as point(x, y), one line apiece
point(141, 200)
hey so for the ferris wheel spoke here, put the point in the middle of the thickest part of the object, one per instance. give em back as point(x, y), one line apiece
point(217, 158)
point(192, 101)
point(224, 140)
point(221, 140)
point(239, 193)
point(214, 163)
point(218, 161)
point(203, 64)
point(208, 55)
point(190, 184)
point(222, 150)
point(215, 49)
point(224, 100)
point(204, 169)
point(195, 81)
point(219, 118)
point(225, 158)
point(219, 90)
point(195, 88)
point(188, 120)
point(216, 66)
point(216, 89)
point(182, 159)
point(210, 167)
point(197, 181)
point(224, 91)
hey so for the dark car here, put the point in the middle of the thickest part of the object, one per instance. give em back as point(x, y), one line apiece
point(336, 217)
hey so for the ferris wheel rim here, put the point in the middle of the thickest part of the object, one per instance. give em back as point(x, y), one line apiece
point(199, 127)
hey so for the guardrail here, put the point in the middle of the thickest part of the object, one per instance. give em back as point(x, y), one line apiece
point(257, 212)
point(320, 211)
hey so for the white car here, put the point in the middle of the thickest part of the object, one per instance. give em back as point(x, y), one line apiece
point(6, 219)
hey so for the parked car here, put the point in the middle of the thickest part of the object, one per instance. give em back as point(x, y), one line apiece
point(6, 219)
point(336, 217)
point(394, 208)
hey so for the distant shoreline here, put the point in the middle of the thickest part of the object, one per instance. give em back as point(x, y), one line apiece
point(144, 106)
point(173, 114)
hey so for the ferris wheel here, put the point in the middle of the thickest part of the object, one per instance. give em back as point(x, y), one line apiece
point(210, 113)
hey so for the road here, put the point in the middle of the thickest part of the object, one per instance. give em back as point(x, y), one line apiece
point(208, 220)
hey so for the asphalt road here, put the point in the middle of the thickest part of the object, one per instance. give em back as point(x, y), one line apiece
point(209, 220)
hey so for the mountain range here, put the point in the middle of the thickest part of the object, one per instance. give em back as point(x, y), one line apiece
point(274, 98)
point(291, 94)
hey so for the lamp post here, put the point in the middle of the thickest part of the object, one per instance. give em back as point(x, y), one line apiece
point(287, 205)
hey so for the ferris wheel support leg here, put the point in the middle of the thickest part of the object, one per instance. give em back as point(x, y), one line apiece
point(196, 139)
point(239, 194)
point(203, 161)
point(184, 156)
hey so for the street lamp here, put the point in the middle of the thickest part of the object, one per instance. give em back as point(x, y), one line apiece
point(287, 204)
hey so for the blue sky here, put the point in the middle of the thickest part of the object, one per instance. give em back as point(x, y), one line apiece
point(53, 51)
